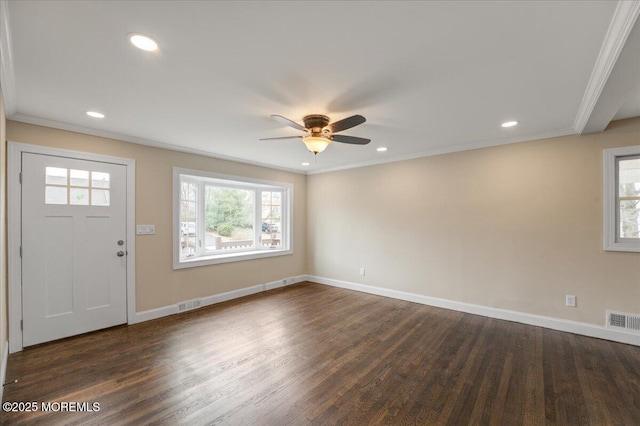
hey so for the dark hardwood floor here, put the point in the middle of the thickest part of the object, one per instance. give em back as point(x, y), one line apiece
point(312, 354)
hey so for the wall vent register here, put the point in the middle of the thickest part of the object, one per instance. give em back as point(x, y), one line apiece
point(624, 321)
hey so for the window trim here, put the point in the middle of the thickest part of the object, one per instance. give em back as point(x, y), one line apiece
point(234, 256)
point(611, 219)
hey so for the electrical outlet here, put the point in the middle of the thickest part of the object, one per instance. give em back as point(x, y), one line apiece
point(362, 271)
point(570, 301)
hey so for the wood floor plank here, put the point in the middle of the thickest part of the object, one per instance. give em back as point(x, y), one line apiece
point(312, 354)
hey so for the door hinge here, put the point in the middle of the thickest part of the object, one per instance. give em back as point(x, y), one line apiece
point(20, 177)
point(21, 324)
point(20, 251)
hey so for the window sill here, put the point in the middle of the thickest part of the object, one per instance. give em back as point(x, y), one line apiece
point(631, 247)
point(230, 257)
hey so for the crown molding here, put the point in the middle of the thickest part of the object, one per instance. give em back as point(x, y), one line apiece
point(23, 118)
point(450, 149)
point(620, 27)
point(7, 77)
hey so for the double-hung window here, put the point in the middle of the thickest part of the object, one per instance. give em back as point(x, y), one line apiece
point(219, 218)
point(622, 199)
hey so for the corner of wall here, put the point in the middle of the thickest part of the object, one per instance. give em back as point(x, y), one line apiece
point(3, 240)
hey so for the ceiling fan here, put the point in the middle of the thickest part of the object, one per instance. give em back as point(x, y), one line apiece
point(319, 133)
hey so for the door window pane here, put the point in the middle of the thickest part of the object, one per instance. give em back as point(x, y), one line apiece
point(100, 180)
point(56, 176)
point(79, 177)
point(55, 195)
point(99, 197)
point(79, 196)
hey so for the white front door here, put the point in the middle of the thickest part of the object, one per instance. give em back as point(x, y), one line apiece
point(73, 247)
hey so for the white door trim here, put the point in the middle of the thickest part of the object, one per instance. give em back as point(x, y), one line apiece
point(14, 198)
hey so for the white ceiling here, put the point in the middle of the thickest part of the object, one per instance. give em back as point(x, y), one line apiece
point(430, 77)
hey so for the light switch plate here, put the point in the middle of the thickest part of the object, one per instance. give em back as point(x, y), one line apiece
point(145, 229)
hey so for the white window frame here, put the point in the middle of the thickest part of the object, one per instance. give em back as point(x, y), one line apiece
point(240, 182)
point(612, 240)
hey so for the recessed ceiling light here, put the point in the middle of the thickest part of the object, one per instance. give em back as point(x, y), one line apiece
point(143, 42)
point(381, 149)
point(305, 164)
point(509, 123)
point(95, 114)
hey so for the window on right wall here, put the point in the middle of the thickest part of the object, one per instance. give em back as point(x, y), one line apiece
point(622, 199)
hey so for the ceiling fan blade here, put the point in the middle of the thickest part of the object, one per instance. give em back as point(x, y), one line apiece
point(350, 139)
point(281, 137)
point(346, 123)
point(287, 122)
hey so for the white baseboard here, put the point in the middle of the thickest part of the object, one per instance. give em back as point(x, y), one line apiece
point(575, 327)
point(155, 313)
point(3, 368)
point(164, 311)
point(285, 282)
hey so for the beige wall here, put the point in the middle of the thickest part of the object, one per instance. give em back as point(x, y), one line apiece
point(4, 321)
point(514, 227)
point(157, 284)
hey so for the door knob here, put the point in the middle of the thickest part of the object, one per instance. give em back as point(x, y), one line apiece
point(120, 253)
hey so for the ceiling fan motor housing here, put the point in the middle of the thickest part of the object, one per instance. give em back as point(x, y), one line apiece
point(315, 123)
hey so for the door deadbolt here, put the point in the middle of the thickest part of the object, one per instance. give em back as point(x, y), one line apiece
point(120, 242)
point(120, 253)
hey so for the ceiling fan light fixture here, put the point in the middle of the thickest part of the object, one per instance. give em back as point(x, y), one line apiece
point(316, 144)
